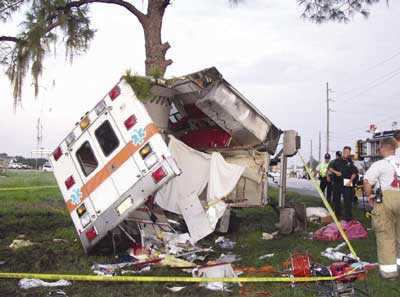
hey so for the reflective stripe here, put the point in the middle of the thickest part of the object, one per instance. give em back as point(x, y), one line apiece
point(388, 268)
point(398, 261)
point(120, 158)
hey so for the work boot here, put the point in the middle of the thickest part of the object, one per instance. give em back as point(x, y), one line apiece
point(389, 275)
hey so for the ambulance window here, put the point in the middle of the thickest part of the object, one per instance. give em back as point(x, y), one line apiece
point(106, 137)
point(86, 158)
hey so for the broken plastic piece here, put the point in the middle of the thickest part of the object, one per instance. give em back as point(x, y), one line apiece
point(26, 283)
point(225, 243)
point(20, 243)
point(217, 271)
point(175, 289)
point(266, 256)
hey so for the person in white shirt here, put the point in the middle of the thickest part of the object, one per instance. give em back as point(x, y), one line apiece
point(397, 138)
point(385, 175)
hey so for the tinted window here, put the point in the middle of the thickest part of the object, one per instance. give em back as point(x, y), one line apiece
point(86, 158)
point(106, 137)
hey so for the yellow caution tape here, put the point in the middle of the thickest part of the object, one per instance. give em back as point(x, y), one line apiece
point(27, 188)
point(185, 279)
point(329, 208)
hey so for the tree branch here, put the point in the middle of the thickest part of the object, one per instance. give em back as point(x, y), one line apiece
point(9, 38)
point(130, 7)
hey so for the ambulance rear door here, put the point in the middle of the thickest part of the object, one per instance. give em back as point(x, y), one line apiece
point(91, 166)
point(116, 153)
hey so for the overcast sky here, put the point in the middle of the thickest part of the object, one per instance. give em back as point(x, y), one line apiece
point(279, 61)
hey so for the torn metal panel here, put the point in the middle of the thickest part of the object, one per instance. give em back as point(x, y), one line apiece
point(222, 106)
point(234, 115)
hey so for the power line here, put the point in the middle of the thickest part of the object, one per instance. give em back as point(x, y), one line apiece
point(393, 74)
point(384, 61)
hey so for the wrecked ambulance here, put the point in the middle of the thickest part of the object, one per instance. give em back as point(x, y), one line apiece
point(116, 157)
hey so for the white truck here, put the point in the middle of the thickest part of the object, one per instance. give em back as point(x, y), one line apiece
point(110, 163)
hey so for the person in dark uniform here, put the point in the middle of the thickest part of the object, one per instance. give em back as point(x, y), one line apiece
point(337, 184)
point(344, 173)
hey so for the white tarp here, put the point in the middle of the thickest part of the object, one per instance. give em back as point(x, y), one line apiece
point(198, 171)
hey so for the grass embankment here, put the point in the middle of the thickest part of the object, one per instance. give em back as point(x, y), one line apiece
point(41, 216)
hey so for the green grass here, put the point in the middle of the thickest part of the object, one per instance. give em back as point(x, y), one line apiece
point(41, 216)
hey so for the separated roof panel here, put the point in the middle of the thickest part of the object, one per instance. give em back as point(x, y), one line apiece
point(229, 109)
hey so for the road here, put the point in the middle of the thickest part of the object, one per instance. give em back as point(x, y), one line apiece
point(301, 186)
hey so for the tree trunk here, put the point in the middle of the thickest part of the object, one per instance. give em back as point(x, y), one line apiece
point(156, 63)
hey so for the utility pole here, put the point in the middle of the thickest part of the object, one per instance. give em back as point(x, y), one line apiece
point(328, 111)
point(39, 138)
point(319, 146)
point(311, 155)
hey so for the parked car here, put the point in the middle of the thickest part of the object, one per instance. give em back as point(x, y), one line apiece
point(47, 167)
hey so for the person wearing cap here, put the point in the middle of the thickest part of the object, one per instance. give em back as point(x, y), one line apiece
point(385, 175)
point(344, 173)
point(325, 183)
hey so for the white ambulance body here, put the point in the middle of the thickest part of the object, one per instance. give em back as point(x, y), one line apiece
point(111, 162)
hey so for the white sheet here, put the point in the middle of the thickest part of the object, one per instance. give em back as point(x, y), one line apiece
point(199, 170)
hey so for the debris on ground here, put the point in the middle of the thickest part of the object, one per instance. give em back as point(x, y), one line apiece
point(269, 236)
point(266, 256)
point(354, 230)
point(175, 289)
point(57, 293)
point(20, 243)
point(216, 271)
point(60, 240)
point(318, 214)
point(225, 243)
point(229, 258)
point(174, 262)
point(262, 269)
point(27, 283)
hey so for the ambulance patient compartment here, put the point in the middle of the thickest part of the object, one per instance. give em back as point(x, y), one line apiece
point(110, 164)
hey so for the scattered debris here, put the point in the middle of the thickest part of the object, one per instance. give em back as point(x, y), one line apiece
point(269, 236)
point(216, 271)
point(20, 243)
point(60, 240)
point(334, 254)
point(175, 289)
point(266, 256)
point(353, 228)
point(225, 243)
point(27, 283)
point(174, 262)
point(318, 214)
point(262, 269)
point(230, 258)
point(57, 293)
